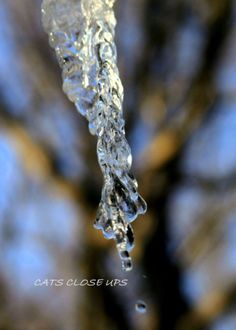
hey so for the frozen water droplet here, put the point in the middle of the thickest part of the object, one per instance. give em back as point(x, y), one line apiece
point(120, 240)
point(129, 209)
point(130, 238)
point(141, 204)
point(127, 264)
point(129, 159)
point(124, 254)
point(107, 52)
point(108, 230)
point(57, 38)
point(92, 128)
point(141, 307)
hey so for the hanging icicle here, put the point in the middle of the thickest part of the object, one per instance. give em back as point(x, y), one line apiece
point(82, 34)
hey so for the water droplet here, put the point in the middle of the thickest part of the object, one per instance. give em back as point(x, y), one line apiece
point(107, 52)
point(130, 210)
point(124, 254)
point(141, 307)
point(92, 128)
point(130, 238)
point(127, 264)
point(108, 230)
point(57, 38)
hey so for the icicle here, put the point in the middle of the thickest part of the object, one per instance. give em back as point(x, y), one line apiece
point(82, 34)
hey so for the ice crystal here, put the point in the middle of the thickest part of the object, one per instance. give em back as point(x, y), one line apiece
point(82, 35)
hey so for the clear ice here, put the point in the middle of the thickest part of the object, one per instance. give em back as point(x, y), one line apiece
point(82, 35)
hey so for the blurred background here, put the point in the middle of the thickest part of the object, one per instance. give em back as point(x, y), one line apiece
point(177, 61)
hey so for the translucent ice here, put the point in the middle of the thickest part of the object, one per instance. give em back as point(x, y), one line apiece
point(82, 34)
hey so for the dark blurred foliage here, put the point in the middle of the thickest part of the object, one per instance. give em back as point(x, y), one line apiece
point(178, 64)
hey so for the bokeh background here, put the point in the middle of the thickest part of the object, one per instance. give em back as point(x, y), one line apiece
point(177, 60)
